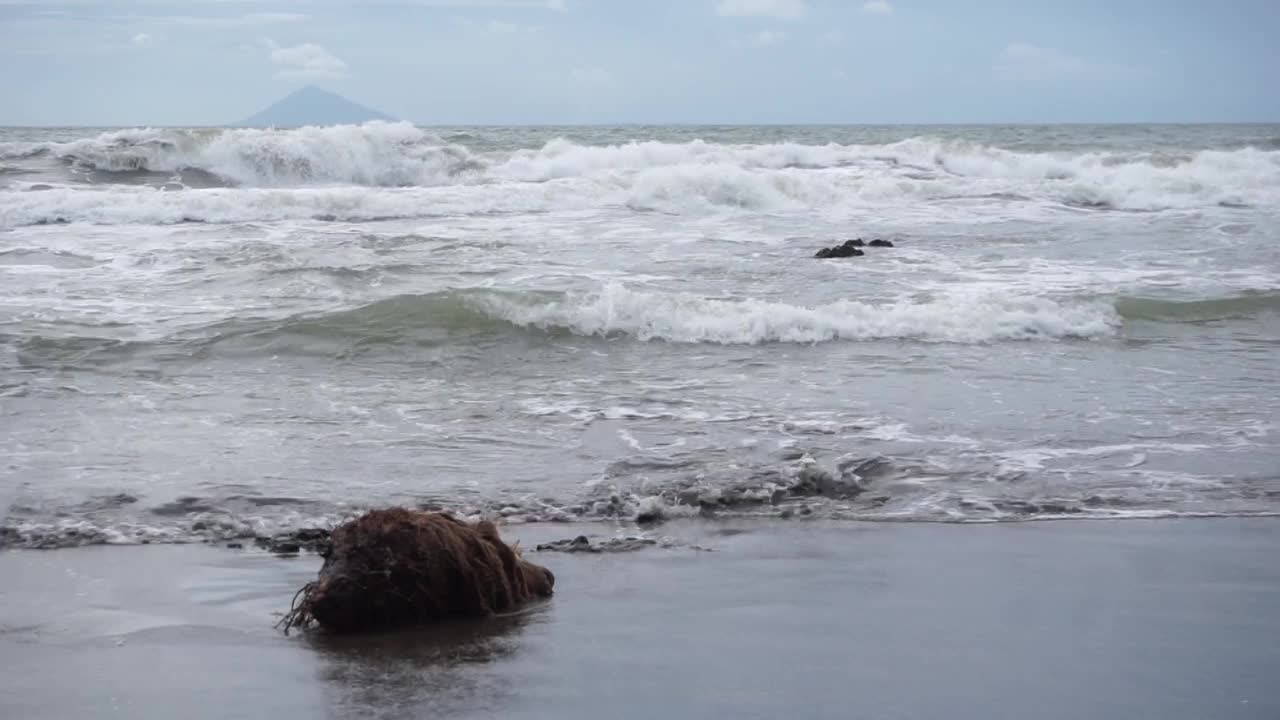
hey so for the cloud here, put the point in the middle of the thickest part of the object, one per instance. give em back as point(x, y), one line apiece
point(140, 40)
point(307, 60)
point(877, 7)
point(765, 38)
point(762, 8)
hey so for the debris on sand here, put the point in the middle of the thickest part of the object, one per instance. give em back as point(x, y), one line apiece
point(400, 567)
point(584, 545)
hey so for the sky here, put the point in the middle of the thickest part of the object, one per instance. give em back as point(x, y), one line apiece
point(458, 62)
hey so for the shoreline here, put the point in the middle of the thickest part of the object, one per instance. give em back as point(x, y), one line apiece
point(1176, 618)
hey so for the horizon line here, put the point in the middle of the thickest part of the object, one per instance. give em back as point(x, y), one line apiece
point(1016, 123)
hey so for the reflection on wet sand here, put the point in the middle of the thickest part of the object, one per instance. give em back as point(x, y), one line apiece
point(426, 672)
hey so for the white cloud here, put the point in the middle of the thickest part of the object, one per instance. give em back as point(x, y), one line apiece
point(765, 38)
point(762, 8)
point(592, 76)
point(307, 60)
point(877, 7)
point(140, 40)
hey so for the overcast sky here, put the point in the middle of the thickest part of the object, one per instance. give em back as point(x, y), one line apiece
point(195, 62)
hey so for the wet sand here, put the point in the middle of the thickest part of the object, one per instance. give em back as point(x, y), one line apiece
point(1131, 619)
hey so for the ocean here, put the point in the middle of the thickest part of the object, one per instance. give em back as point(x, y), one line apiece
point(211, 334)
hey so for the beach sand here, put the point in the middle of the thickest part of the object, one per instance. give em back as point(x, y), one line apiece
point(1103, 619)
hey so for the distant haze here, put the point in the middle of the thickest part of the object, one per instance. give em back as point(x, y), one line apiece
point(313, 106)
point(201, 62)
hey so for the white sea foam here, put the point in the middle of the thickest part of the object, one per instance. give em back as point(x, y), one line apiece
point(118, 205)
point(676, 176)
point(375, 154)
point(962, 318)
point(741, 174)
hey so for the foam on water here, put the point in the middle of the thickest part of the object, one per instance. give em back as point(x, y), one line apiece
point(879, 489)
point(646, 175)
point(599, 330)
point(682, 318)
point(375, 154)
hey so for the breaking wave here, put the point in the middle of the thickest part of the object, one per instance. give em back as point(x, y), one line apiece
point(680, 318)
point(376, 154)
point(666, 175)
point(618, 311)
point(615, 311)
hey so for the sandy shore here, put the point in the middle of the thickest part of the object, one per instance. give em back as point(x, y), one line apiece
point(1135, 619)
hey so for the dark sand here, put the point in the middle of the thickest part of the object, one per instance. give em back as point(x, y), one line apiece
point(1132, 619)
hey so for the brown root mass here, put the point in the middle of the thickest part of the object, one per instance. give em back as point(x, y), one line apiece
point(401, 567)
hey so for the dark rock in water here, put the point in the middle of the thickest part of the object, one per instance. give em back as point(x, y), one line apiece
point(286, 548)
point(314, 540)
point(881, 243)
point(235, 546)
point(849, 248)
point(39, 187)
point(399, 567)
point(649, 517)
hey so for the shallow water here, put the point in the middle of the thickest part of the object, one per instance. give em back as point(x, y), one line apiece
point(208, 333)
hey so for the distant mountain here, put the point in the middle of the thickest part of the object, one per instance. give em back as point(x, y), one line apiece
point(313, 106)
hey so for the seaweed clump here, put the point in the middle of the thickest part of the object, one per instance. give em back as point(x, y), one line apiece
point(399, 567)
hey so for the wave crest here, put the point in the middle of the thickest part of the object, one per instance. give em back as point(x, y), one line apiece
point(378, 154)
point(661, 174)
point(681, 318)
